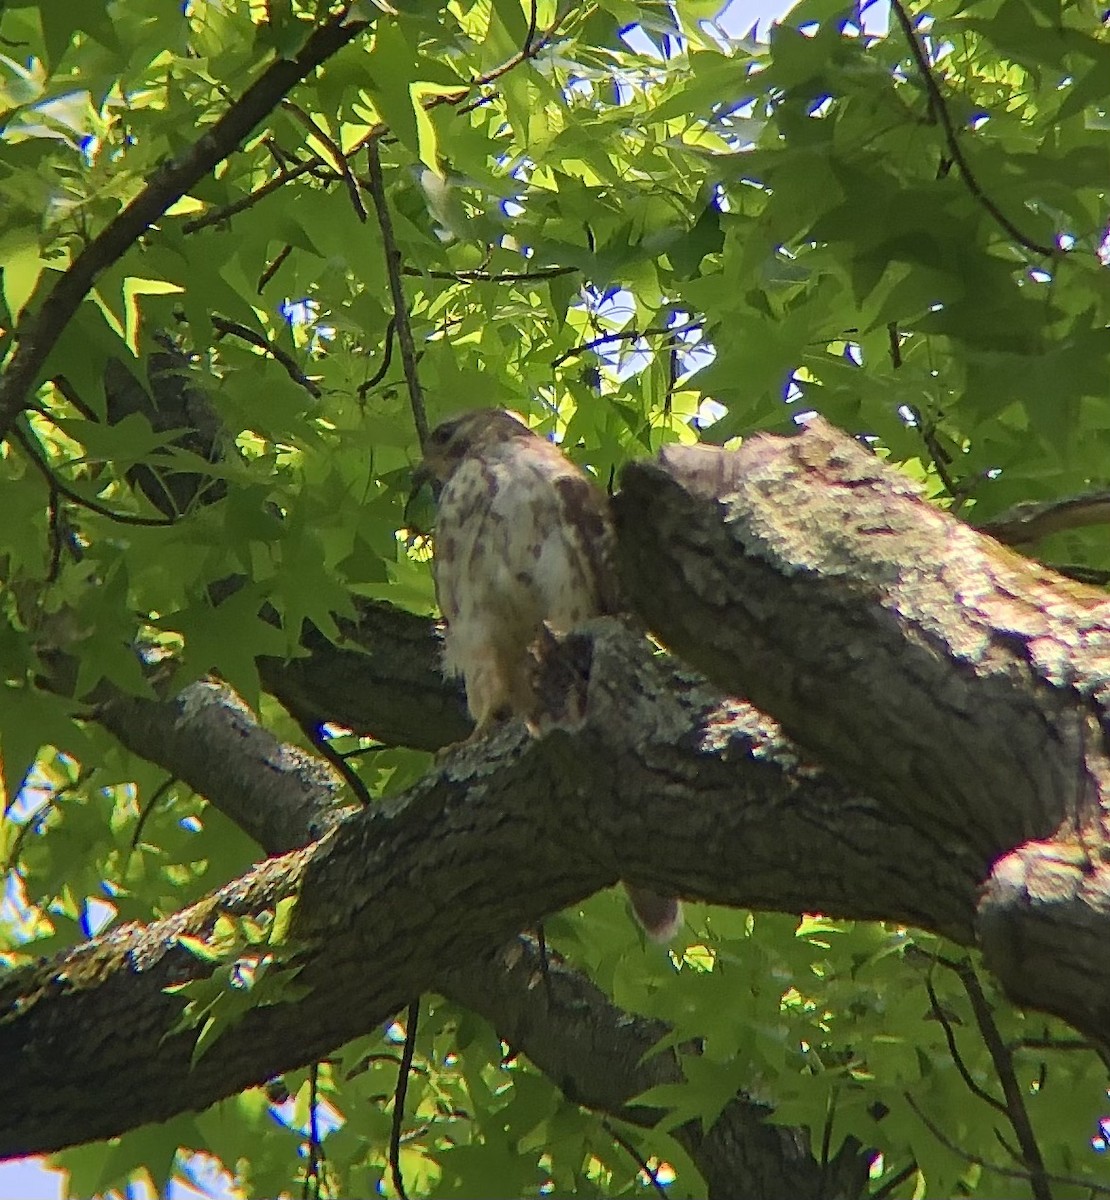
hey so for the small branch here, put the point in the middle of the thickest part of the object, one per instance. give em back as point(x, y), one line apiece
point(895, 345)
point(219, 215)
point(326, 750)
point(532, 46)
point(39, 330)
point(939, 457)
point(1004, 1068)
point(339, 159)
point(895, 1182)
point(40, 811)
point(246, 334)
point(529, 37)
point(1032, 520)
point(387, 358)
point(151, 804)
point(1048, 1043)
point(56, 485)
point(54, 512)
point(1086, 1185)
point(397, 290)
point(491, 276)
point(69, 393)
point(625, 335)
point(314, 1168)
point(954, 148)
point(954, 1051)
point(274, 267)
point(33, 819)
point(292, 171)
point(649, 1172)
point(411, 1020)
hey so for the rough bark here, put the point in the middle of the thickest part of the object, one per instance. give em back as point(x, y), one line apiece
point(957, 688)
point(711, 752)
point(962, 686)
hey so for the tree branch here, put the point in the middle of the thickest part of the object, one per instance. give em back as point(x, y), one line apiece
point(1033, 520)
point(1085, 1185)
point(503, 833)
point(915, 657)
point(339, 159)
point(246, 334)
point(397, 290)
point(37, 458)
point(624, 335)
point(39, 331)
point(936, 101)
point(1003, 1061)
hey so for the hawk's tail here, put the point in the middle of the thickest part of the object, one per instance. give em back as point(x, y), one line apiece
point(660, 916)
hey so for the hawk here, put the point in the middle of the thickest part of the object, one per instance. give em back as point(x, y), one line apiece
point(523, 548)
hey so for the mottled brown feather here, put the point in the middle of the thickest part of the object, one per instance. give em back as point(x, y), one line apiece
point(524, 549)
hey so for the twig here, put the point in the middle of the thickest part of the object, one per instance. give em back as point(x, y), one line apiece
point(69, 393)
point(387, 358)
point(54, 513)
point(1095, 576)
point(894, 1183)
point(39, 330)
point(625, 335)
point(529, 37)
point(28, 443)
point(159, 792)
point(954, 148)
point(492, 276)
point(1092, 1189)
point(339, 159)
point(1032, 520)
point(294, 170)
point(532, 46)
point(411, 1020)
point(397, 290)
point(895, 345)
point(634, 1154)
point(1048, 1043)
point(40, 811)
point(339, 762)
point(939, 457)
point(224, 213)
point(1004, 1067)
point(274, 267)
point(246, 334)
point(954, 1051)
point(311, 1187)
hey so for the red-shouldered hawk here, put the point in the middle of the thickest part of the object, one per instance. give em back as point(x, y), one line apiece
point(523, 541)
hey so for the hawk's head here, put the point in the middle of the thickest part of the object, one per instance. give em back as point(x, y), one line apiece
point(452, 440)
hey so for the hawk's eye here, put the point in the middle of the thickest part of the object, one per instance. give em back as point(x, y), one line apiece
point(442, 434)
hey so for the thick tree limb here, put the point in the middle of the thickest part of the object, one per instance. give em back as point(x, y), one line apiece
point(962, 686)
point(391, 904)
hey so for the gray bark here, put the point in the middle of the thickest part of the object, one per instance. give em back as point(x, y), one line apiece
point(954, 692)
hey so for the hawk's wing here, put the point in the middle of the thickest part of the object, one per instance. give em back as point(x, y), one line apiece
point(522, 538)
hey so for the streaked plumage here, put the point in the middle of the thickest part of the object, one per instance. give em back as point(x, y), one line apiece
point(523, 541)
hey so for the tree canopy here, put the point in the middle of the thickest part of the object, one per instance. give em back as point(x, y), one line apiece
point(828, 315)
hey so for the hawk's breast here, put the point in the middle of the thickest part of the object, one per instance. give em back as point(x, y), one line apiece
point(521, 539)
